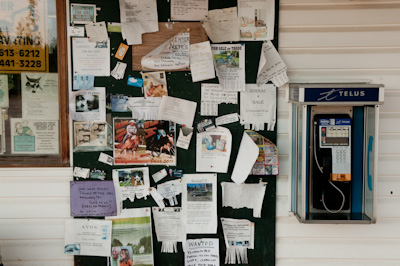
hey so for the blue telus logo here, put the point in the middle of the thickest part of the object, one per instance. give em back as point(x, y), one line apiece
point(334, 93)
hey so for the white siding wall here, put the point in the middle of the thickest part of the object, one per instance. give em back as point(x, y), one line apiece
point(328, 40)
point(34, 204)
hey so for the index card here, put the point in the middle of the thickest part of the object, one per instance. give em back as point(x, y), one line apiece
point(96, 32)
point(201, 61)
point(189, 10)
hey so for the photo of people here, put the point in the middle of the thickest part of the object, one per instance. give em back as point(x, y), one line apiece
point(121, 256)
point(199, 192)
point(87, 103)
point(144, 142)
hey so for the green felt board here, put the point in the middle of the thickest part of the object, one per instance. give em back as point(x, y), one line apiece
point(180, 85)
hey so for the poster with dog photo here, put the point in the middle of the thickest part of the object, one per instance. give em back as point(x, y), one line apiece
point(39, 92)
point(138, 142)
point(131, 183)
point(154, 84)
point(34, 136)
point(88, 105)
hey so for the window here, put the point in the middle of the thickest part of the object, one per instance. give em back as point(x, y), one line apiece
point(33, 83)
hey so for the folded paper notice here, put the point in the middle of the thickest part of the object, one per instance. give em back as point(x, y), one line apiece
point(171, 55)
point(247, 155)
point(271, 66)
point(222, 25)
point(244, 196)
point(185, 135)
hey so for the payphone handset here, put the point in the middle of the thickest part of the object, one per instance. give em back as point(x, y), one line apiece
point(335, 134)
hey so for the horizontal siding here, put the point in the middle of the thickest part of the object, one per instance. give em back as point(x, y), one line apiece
point(34, 204)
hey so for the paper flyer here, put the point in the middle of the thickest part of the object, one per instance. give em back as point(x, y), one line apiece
point(267, 162)
point(271, 66)
point(138, 142)
point(189, 10)
point(171, 55)
point(144, 108)
point(88, 237)
point(93, 198)
point(244, 196)
point(91, 58)
point(213, 150)
point(34, 136)
point(257, 19)
point(169, 190)
point(212, 95)
point(169, 228)
point(222, 25)
point(229, 62)
point(258, 106)
point(203, 251)
point(185, 135)
point(201, 61)
point(199, 203)
point(239, 236)
point(39, 93)
point(142, 13)
point(247, 155)
point(177, 110)
point(4, 91)
point(131, 183)
point(88, 105)
point(96, 32)
point(132, 242)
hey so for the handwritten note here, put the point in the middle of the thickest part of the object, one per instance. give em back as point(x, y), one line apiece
point(200, 251)
point(201, 61)
point(93, 198)
point(189, 10)
point(212, 95)
point(222, 25)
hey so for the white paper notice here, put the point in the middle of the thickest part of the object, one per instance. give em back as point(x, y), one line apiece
point(185, 135)
point(34, 136)
point(169, 228)
point(177, 110)
point(203, 251)
point(132, 32)
point(244, 196)
point(76, 31)
point(159, 175)
point(257, 19)
point(229, 62)
point(199, 203)
point(211, 96)
point(81, 172)
point(144, 108)
point(131, 182)
point(247, 155)
point(91, 58)
point(213, 150)
point(189, 10)
point(239, 236)
point(97, 32)
point(143, 12)
point(119, 70)
point(88, 105)
point(201, 61)
point(271, 66)
point(258, 106)
point(171, 55)
point(227, 119)
point(105, 158)
point(39, 92)
point(87, 237)
point(222, 25)
point(169, 190)
point(157, 197)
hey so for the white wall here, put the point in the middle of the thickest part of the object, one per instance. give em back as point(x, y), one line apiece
point(34, 204)
point(327, 40)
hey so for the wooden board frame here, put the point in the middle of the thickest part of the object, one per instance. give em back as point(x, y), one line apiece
point(167, 30)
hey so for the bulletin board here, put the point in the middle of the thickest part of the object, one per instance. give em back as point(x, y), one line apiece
point(180, 85)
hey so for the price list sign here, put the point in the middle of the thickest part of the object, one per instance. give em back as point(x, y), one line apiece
point(23, 37)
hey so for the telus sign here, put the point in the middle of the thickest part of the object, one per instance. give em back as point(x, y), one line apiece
point(341, 95)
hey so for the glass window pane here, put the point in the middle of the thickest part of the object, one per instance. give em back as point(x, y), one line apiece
point(29, 91)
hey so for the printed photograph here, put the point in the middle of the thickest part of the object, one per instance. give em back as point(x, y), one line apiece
point(227, 59)
point(132, 242)
point(214, 143)
point(72, 249)
point(130, 178)
point(199, 192)
point(87, 103)
point(155, 84)
point(144, 142)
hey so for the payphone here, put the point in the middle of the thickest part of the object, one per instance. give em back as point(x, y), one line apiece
point(331, 162)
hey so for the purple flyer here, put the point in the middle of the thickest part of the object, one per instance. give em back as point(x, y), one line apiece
point(93, 198)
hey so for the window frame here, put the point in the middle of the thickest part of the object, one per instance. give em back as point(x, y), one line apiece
point(63, 158)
